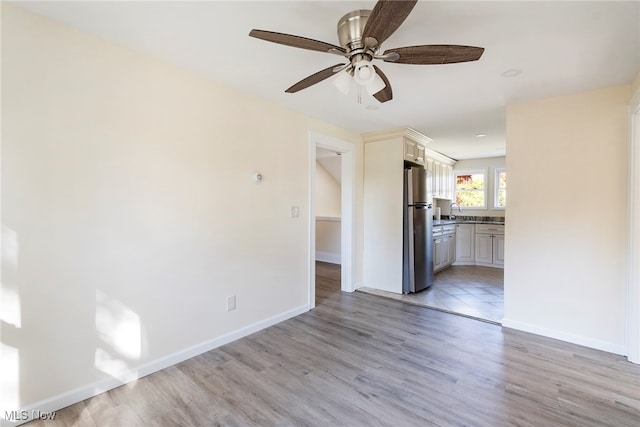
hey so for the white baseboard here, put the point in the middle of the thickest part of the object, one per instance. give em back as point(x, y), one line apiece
point(63, 400)
point(330, 257)
point(564, 336)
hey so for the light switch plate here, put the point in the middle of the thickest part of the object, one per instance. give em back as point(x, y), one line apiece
point(295, 211)
point(231, 303)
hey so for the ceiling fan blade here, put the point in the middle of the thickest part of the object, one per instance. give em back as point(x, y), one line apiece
point(385, 94)
point(296, 41)
point(435, 54)
point(314, 78)
point(385, 18)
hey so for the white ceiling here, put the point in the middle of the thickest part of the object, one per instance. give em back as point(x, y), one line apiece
point(561, 47)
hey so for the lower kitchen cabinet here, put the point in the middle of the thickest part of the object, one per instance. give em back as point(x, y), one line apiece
point(451, 256)
point(498, 249)
point(472, 244)
point(444, 247)
point(484, 248)
point(438, 254)
point(490, 245)
point(465, 244)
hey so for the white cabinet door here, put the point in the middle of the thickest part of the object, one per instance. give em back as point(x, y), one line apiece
point(449, 184)
point(414, 152)
point(451, 256)
point(484, 248)
point(436, 179)
point(465, 243)
point(441, 169)
point(444, 186)
point(444, 252)
point(419, 154)
point(498, 249)
point(439, 254)
point(409, 150)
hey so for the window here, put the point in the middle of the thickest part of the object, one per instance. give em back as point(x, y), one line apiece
point(471, 189)
point(500, 187)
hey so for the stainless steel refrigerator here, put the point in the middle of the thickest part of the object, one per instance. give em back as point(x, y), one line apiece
point(417, 268)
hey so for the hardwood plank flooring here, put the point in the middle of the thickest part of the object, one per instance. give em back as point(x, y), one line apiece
point(363, 360)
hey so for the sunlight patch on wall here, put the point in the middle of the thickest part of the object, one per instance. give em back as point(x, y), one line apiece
point(112, 366)
point(9, 297)
point(9, 378)
point(9, 247)
point(120, 334)
point(10, 307)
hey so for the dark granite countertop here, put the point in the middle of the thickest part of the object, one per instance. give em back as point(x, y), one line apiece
point(465, 221)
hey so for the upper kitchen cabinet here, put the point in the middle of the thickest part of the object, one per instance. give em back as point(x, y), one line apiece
point(441, 168)
point(414, 151)
point(413, 143)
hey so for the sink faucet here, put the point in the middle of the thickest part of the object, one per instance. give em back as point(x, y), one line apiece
point(451, 215)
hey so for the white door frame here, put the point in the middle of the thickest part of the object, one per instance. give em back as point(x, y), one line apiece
point(347, 234)
point(633, 251)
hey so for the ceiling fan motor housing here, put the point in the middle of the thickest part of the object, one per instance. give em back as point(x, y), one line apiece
point(350, 28)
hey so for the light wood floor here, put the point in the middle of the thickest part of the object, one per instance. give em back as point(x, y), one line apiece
point(363, 360)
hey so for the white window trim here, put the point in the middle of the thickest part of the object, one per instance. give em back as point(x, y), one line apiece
point(457, 172)
point(496, 187)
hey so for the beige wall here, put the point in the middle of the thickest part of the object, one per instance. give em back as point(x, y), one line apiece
point(489, 164)
point(328, 240)
point(327, 193)
point(383, 201)
point(328, 225)
point(565, 249)
point(129, 212)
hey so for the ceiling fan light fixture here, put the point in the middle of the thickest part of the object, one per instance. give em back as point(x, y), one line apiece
point(376, 85)
point(343, 82)
point(363, 73)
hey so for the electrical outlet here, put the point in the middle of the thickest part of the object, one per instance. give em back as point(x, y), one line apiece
point(231, 303)
point(295, 211)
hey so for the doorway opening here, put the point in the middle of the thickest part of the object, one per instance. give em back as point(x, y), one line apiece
point(331, 209)
point(633, 250)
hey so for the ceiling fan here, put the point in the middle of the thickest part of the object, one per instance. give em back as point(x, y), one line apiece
point(361, 33)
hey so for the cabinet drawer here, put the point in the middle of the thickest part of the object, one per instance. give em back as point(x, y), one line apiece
point(489, 229)
point(449, 229)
